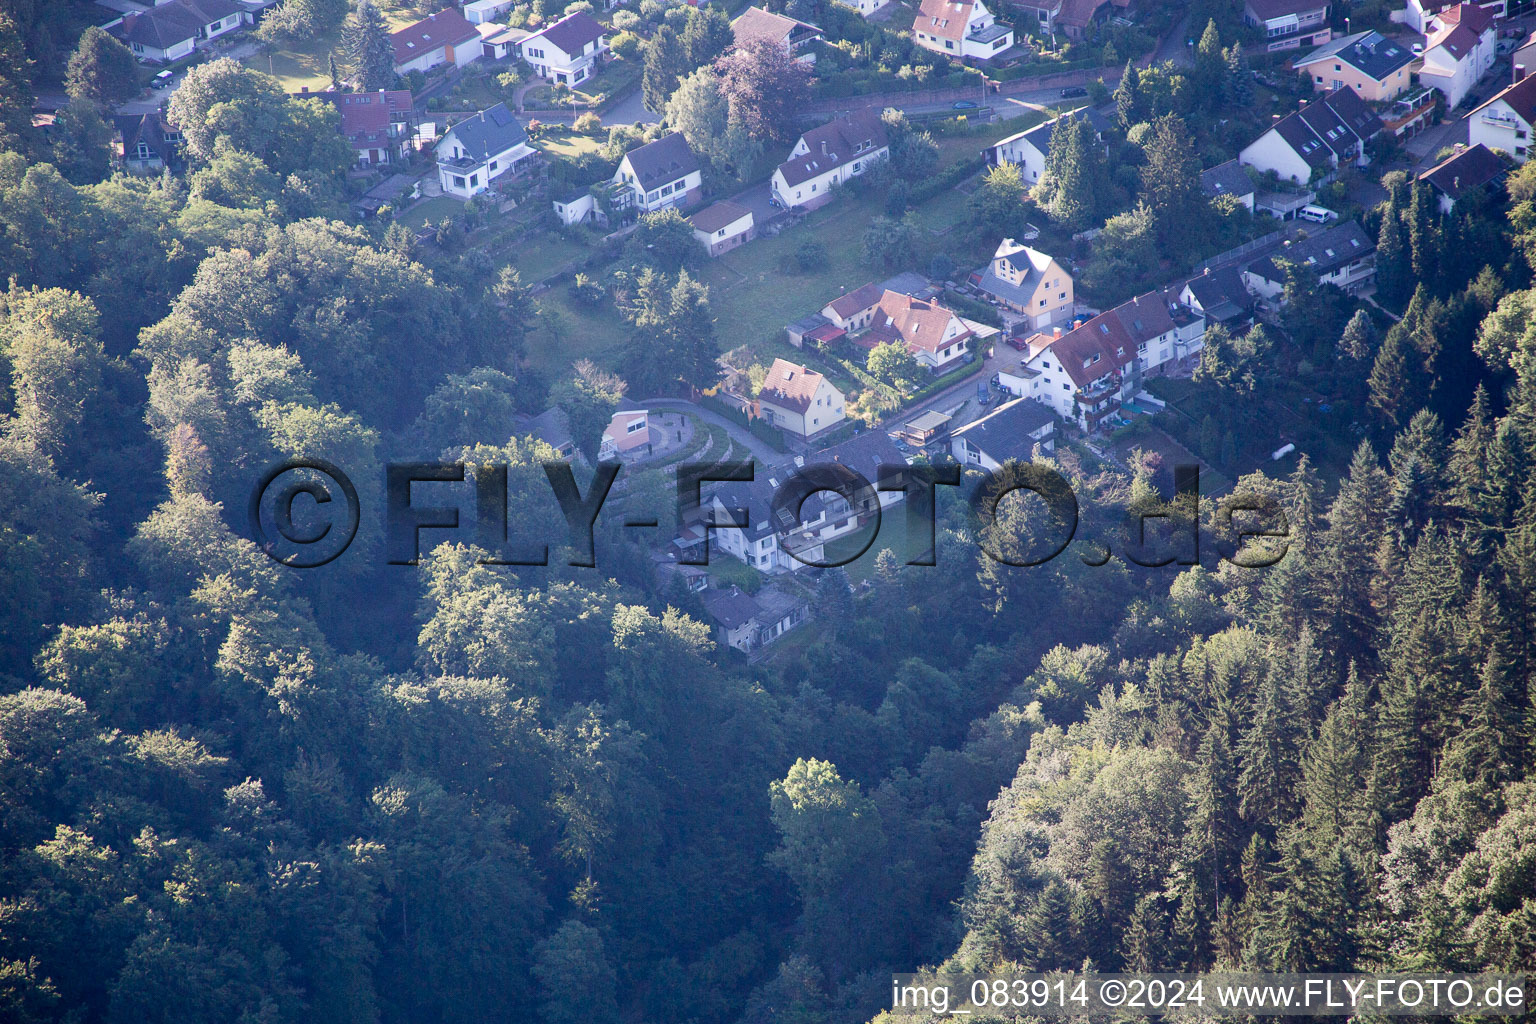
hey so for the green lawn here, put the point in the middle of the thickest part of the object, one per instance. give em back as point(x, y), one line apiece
point(546, 256)
point(305, 65)
point(434, 210)
point(564, 144)
point(567, 332)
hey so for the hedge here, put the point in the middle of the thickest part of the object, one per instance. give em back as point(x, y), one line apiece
point(759, 428)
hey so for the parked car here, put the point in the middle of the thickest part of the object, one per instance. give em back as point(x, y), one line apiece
point(964, 105)
point(163, 80)
point(1316, 214)
point(1073, 92)
point(1017, 341)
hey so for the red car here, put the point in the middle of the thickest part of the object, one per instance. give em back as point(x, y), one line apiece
point(1017, 341)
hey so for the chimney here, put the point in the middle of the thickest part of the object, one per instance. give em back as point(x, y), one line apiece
point(1519, 72)
point(1056, 332)
point(823, 147)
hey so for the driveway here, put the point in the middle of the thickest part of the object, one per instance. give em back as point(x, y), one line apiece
point(756, 199)
point(630, 110)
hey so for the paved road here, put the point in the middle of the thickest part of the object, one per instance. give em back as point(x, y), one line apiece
point(761, 450)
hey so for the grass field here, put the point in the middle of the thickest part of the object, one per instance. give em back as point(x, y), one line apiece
point(567, 332)
point(305, 65)
point(434, 210)
point(564, 144)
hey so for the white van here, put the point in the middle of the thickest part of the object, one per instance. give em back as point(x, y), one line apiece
point(1316, 214)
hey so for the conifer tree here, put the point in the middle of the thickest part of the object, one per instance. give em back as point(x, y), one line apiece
point(1128, 104)
point(367, 55)
point(1394, 280)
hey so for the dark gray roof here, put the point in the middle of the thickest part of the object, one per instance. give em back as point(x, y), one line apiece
point(662, 161)
point(840, 141)
point(1227, 179)
point(573, 32)
point(1329, 126)
point(168, 24)
point(1368, 52)
point(1323, 252)
point(493, 130)
point(1468, 170)
point(1004, 433)
point(730, 608)
point(1221, 294)
point(863, 453)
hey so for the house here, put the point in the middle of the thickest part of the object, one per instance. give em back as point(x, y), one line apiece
point(1524, 58)
point(1373, 66)
point(1342, 255)
point(1460, 50)
point(568, 51)
point(661, 174)
point(723, 226)
point(481, 12)
point(1031, 148)
point(828, 156)
point(171, 31)
point(1419, 15)
point(1086, 373)
point(854, 311)
point(1029, 282)
point(146, 142)
point(864, 7)
point(1504, 123)
point(794, 36)
point(498, 41)
point(376, 124)
point(553, 427)
point(627, 436)
point(799, 401)
point(960, 28)
point(1228, 179)
point(575, 207)
point(1219, 296)
point(1470, 169)
point(1289, 24)
point(1074, 18)
point(746, 622)
point(1008, 433)
point(936, 337)
point(480, 149)
point(824, 516)
point(444, 38)
point(1310, 144)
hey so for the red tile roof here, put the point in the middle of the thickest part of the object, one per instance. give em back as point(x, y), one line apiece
point(445, 27)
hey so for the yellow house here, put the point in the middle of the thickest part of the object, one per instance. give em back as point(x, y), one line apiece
point(1029, 282)
point(1375, 67)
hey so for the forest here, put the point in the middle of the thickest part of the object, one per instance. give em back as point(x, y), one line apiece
point(371, 794)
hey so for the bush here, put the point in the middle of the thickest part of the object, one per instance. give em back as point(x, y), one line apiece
point(810, 256)
point(624, 21)
point(587, 124)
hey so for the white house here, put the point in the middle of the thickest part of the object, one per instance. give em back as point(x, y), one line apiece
point(827, 156)
point(1031, 148)
point(864, 7)
point(1419, 14)
point(1086, 373)
point(794, 36)
point(935, 336)
point(722, 226)
point(1459, 51)
point(1008, 433)
point(1342, 255)
point(800, 401)
point(1289, 24)
point(960, 28)
point(480, 12)
point(1312, 143)
point(575, 207)
point(1504, 123)
point(1469, 169)
point(661, 174)
point(444, 38)
point(568, 51)
point(824, 516)
point(171, 31)
point(480, 149)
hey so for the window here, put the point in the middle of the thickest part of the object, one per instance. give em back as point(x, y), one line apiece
point(635, 427)
point(1042, 302)
point(458, 180)
point(493, 165)
point(474, 179)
